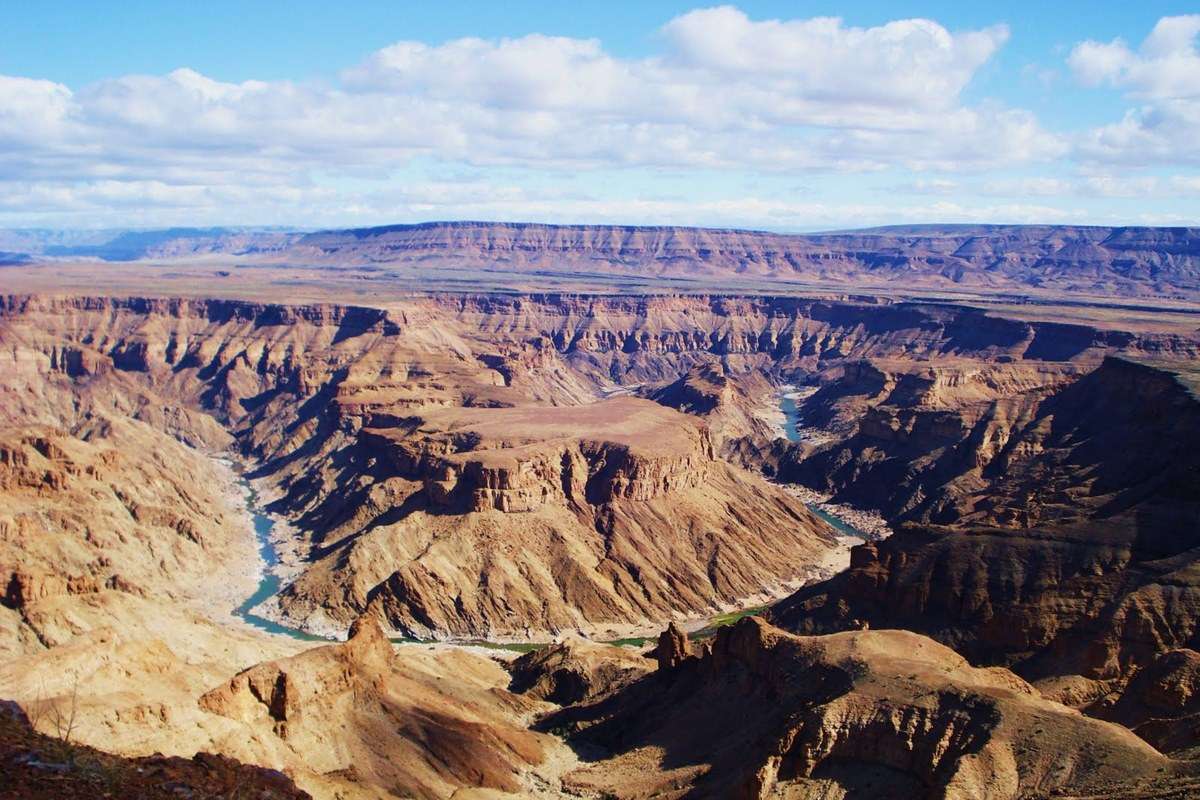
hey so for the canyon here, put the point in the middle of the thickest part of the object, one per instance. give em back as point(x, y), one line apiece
point(565, 473)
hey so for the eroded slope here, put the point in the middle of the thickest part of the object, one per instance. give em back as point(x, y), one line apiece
point(885, 714)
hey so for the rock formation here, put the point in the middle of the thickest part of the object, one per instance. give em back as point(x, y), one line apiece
point(359, 719)
point(496, 521)
point(673, 648)
point(34, 766)
point(116, 507)
point(1160, 703)
point(356, 712)
point(575, 670)
point(1127, 261)
point(1004, 444)
point(883, 714)
point(473, 465)
point(384, 431)
point(1068, 545)
point(731, 404)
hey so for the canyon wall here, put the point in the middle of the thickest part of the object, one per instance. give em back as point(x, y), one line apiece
point(881, 714)
point(1127, 261)
point(1066, 537)
point(473, 465)
point(429, 455)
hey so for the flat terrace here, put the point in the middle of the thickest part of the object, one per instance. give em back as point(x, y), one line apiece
point(390, 285)
point(640, 425)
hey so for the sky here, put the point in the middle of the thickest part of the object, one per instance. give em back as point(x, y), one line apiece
point(789, 116)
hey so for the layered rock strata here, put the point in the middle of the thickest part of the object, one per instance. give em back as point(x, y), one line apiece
point(522, 521)
point(1069, 550)
point(885, 714)
point(1129, 261)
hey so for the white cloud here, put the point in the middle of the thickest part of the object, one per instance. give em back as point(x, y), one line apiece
point(1027, 187)
point(726, 92)
point(723, 92)
point(1097, 63)
point(1163, 77)
point(914, 61)
point(1185, 184)
point(720, 71)
point(1166, 66)
point(32, 111)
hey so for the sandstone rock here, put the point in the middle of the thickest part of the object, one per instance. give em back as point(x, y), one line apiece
point(447, 464)
point(501, 521)
point(38, 766)
point(1161, 702)
point(881, 713)
point(1097, 575)
point(366, 715)
point(1118, 261)
point(673, 647)
point(576, 670)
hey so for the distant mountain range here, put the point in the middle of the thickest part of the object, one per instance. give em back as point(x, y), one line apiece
point(1122, 261)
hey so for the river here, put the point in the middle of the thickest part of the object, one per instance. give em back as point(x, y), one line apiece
point(871, 526)
point(270, 583)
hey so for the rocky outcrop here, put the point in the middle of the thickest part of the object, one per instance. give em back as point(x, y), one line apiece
point(1161, 703)
point(358, 712)
point(1088, 567)
point(882, 713)
point(734, 406)
point(1078, 599)
point(358, 719)
point(517, 460)
point(1047, 446)
point(673, 648)
point(130, 510)
point(39, 767)
point(576, 670)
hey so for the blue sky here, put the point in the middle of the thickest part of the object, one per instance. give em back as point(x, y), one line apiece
point(762, 114)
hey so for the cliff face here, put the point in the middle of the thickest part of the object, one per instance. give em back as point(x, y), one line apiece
point(1048, 446)
point(395, 439)
point(515, 521)
point(1128, 261)
point(1073, 544)
point(521, 459)
point(656, 338)
point(878, 713)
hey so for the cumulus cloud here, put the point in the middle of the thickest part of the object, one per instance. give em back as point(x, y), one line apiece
point(915, 61)
point(1163, 76)
point(722, 92)
point(719, 70)
point(32, 111)
point(1166, 66)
